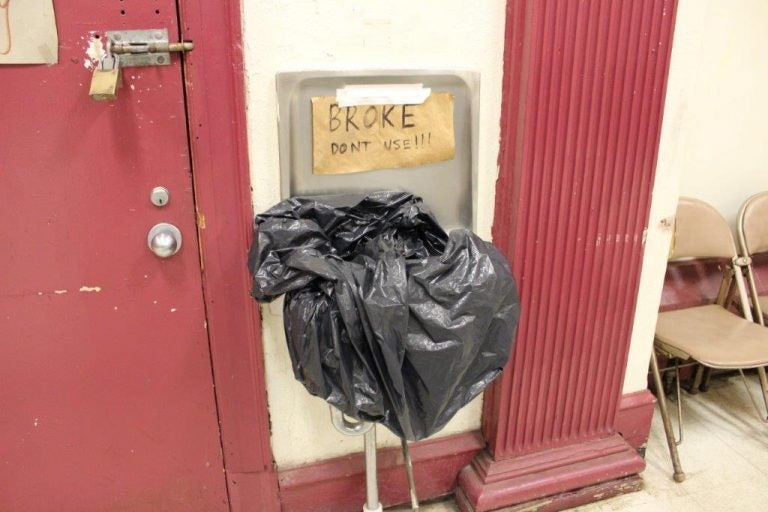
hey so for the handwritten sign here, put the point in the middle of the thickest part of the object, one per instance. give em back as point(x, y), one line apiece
point(28, 32)
point(367, 137)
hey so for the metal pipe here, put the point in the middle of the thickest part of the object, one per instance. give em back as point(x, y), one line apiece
point(347, 426)
point(371, 485)
point(411, 479)
point(366, 429)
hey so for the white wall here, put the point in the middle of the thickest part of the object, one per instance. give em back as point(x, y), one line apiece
point(300, 35)
point(728, 114)
point(714, 142)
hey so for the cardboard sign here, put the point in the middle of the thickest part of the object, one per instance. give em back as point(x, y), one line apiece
point(367, 137)
point(28, 32)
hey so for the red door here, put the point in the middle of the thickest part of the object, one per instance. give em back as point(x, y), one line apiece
point(106, 392)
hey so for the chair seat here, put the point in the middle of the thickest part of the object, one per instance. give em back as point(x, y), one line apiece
point(713, 336)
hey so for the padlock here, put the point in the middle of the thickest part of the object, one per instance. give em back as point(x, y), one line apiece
point(106, 79)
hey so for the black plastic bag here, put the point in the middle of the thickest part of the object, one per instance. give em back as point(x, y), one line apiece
point(387, 318)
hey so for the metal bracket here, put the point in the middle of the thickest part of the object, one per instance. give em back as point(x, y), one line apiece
point(144, 47)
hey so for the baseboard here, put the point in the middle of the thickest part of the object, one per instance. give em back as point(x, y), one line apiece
point(252, 492)
point(338, 485)
point(489, 484)
point(633, 419)
point(571, 499)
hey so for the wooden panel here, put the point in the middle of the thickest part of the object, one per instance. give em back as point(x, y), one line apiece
point(216, 105)
point(634, 417)
point(583, 99)
point(574, 196)
point(107, 395)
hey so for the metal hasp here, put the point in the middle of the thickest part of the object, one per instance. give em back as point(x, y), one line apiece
point(149, 47)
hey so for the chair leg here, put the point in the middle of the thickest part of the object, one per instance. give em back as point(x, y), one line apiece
point(678, 475)
point(695, 382)
point(763, 385)
point(706, 377)
point(761, 414)
point(679, 399)
point(668, 378)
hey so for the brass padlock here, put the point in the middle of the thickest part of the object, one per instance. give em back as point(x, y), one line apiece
point(106, 79)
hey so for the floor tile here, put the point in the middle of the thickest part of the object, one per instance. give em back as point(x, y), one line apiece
point(724, 455)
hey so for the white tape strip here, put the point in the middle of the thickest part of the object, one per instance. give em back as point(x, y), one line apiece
point(384, 94)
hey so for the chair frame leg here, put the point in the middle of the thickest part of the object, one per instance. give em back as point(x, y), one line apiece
point(678, 474)
point(705, 379)
point(763, 385)
point(679, 399)
point(695, 382)
point(761, 414)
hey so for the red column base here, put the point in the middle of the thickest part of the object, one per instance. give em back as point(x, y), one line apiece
point(488, 484)
point(634, 417)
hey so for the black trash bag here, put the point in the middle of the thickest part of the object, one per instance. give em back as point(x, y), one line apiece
point(387, 318)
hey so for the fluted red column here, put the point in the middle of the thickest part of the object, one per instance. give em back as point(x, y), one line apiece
point(583, 101)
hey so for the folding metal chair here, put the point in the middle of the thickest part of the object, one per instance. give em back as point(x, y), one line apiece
point(709, 335)
point(752, 228)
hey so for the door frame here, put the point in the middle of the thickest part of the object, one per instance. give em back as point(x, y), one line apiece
point(215, 102)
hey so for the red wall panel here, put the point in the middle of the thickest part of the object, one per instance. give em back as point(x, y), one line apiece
point(581, 119)
point(591, 120)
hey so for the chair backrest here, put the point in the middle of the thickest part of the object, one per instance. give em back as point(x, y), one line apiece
point(700, 232)
point(752, 227)
point(753, 224)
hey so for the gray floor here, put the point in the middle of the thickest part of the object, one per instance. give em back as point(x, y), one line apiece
point(724, 453)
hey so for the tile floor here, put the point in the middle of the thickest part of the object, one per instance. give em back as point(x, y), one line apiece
point(724, 454)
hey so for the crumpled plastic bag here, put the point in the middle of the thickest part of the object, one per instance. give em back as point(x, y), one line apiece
point(387, 317)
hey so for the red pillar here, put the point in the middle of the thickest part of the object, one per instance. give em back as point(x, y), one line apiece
point(583, 100)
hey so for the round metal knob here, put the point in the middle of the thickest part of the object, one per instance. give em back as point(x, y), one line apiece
point(164, 240)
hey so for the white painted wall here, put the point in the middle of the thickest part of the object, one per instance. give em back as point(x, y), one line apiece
point(714, 142)
point(300, 35)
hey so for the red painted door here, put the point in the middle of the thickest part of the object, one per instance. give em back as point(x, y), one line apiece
point(106, 392)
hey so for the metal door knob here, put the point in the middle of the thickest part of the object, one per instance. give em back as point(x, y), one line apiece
point(164, 240)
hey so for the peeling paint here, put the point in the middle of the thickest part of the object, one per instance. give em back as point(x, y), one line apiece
point(90, 289)
point(59, 292)
point(94, 52)
point(173, 310)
